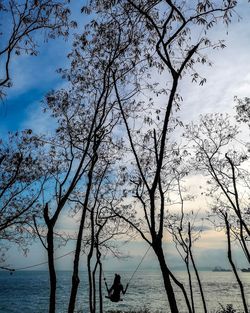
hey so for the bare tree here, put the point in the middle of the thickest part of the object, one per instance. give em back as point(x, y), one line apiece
point(90, 74)
point(69, 160)
point(73, 163)
point(84, 118)
point(185, 232)
point(162, 37)
point(214, 140)
point(21, 182)
point(20, 22)
point(104, 228)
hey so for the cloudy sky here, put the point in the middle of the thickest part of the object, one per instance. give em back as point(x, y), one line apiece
point(229, 76)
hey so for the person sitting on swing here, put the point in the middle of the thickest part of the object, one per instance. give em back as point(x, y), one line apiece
point(116, 289)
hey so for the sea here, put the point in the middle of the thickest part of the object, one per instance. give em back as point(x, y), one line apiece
point(28, 291)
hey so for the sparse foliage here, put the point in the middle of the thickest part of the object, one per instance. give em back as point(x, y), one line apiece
point(21, 21)
point(159, 40)
point(215, 154)
point(21, 183)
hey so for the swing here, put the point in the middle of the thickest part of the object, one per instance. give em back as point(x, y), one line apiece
point(116, 289)
point(115, 296)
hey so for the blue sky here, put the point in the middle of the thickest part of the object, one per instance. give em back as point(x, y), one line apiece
point(33, 77)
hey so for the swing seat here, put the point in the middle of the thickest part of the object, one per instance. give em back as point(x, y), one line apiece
point(113, 299)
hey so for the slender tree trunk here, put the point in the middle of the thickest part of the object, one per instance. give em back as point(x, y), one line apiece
point(94, 286)
point(75, 276)
point(180, 285)
point(199, 282)
point(52, 272)
point(166, 278)
point(229, 254)
point(100, 289)
point(190, 284)
point(195, 269)
point(90, 284)
point(90, 254)
point(100, 280)
point(166, 273)
point(94, 281)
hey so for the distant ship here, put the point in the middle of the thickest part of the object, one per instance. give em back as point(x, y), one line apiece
point(246, 270)
point(220, 269)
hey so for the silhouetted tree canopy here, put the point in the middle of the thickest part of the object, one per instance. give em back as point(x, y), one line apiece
point(21, 22)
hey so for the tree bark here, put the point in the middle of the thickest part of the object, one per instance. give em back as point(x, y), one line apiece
point(195, 269)
point(52, 272)
point(90, 254)
point(75, 276)
point(166, 278)
point(190, 284)
point(199, 282)
point(98, 257)
point(229, 254)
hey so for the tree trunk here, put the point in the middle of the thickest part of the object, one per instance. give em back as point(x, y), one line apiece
point(52, 272)
point(195, 268)
point(75, 276)
point(98, 256)
point(166, 278)
point(229, 254)
point(91, 309)
point(94, 287)
point(90, 254)
point(100, 289)
point(190, 285)
point(199, 282)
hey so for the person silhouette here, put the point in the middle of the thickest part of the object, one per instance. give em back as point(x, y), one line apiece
point(116, 289)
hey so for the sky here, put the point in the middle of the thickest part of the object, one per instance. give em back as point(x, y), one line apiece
point(229, 76)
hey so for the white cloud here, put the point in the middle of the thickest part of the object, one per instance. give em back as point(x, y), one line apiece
point(37, 120)
point(229, 75)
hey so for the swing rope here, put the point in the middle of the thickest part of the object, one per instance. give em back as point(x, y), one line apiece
point(34, 265)
point(142, 259)
point(105, 281)
point(138, 265)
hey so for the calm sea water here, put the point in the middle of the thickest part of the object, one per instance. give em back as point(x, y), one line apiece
point(27, 291)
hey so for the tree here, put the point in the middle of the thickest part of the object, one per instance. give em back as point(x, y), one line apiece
point(182, 227)
point(85, 119)
point(161, 42)
point(71, 159)
point(104, 228)
point(22, 21)
point(91, 81)
point(21, 183)
point(216, 156)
